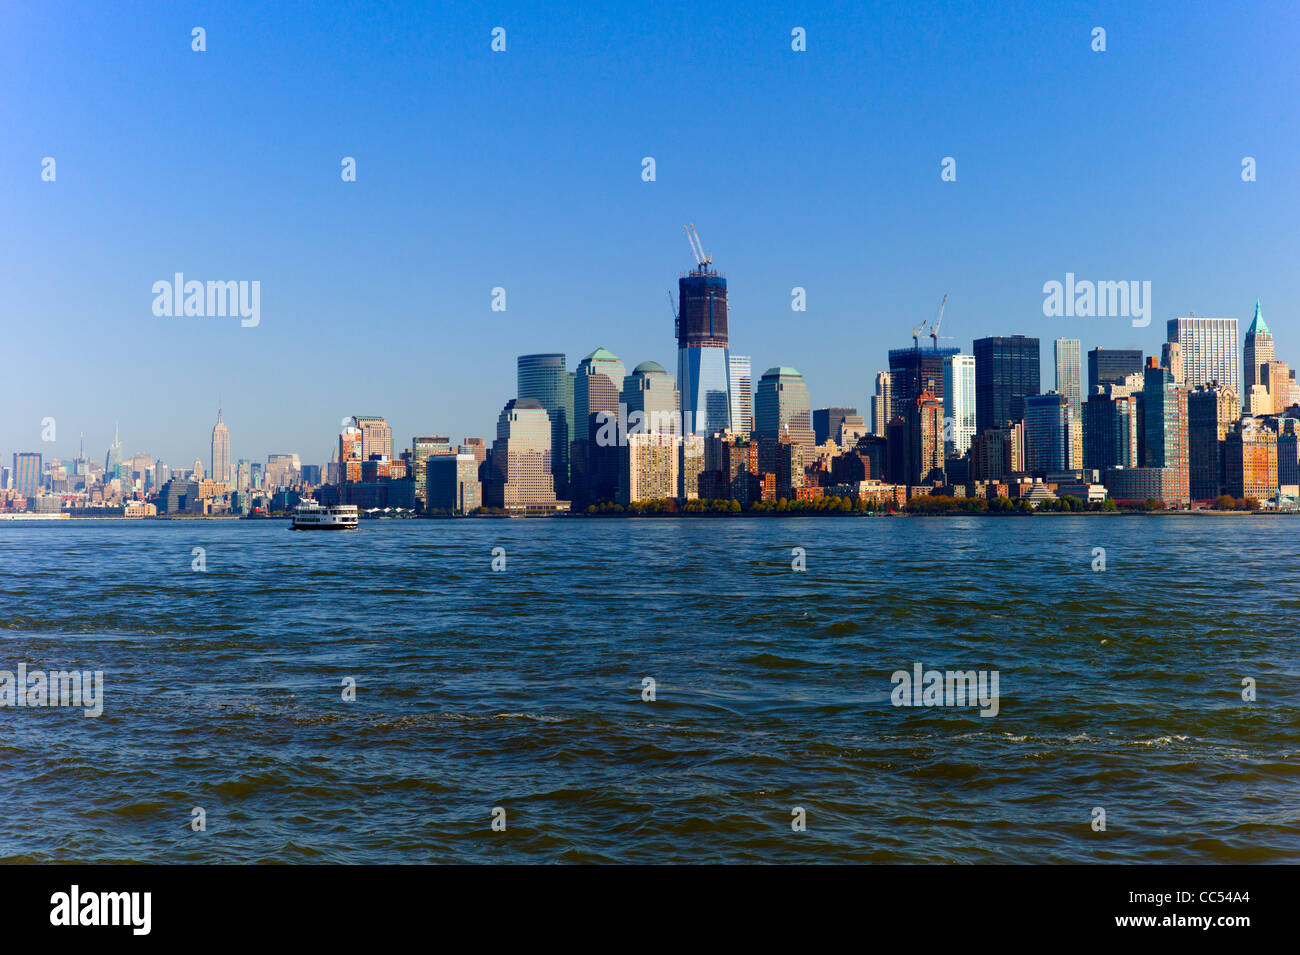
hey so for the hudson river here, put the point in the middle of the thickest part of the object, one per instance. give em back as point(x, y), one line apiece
point(1119, 689)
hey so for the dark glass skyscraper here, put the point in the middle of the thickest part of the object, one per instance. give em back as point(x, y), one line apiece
point(1211, 412)
point(1110, 366)
point(1110, 429)
point(827, 421)
point(544, 378)
point(703, 360)
point(1006, 373)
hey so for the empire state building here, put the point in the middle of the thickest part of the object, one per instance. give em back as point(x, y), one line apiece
point(220, 451)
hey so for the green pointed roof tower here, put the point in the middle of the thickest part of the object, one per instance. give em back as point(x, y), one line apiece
point(1258, 326)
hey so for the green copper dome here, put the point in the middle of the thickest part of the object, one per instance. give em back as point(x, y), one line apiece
point(649, 368)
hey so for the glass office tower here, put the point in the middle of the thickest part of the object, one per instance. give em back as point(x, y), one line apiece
point(544, 378)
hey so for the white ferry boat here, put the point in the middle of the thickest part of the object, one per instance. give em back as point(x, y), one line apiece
point(311, 515)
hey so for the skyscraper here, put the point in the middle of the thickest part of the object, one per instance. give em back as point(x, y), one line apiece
point(1165, 421)
point(1110, 366)
point(998, 452)
point(544, 377)
point(649, 467)
point(1211, 411)
point(474, 447)
point(282, 470)
point(1068, 370)
point(1171, 357)
point(1250, 460)
point(1111, 429)
point(958, 404)
point(1006, 372)
point(923, 440)
point(827, 421)
point(113, 460)
point(424, 447)
point(452, 483)
point(376, 436)
point(690, 462)
point(1269, 386)
point(349, 454)
point(597, 390)
point(521, 458)
point(882, 403)
point(781, 406)
point(741, 387)
point(703, 360)
point(913, 371)
point(850, 431)
point(27, 472)
point(1279, 386)
point(788, 466)
point(652, 400)
point(1209, 347)
point(220, 451)
point(1258, 350)
point(1288, 456)
point(1047, 433)
point(1069, 382)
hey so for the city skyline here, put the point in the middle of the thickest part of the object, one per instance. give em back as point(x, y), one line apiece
point(392, 439)
point(844, 143)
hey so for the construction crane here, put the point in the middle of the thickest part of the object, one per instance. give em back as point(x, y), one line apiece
point(934, 329)
point(916, 336)
point(697, 247)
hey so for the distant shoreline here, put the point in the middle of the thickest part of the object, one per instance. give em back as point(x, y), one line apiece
point(765, 515)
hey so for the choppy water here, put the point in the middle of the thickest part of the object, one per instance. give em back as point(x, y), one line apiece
point(522, 689)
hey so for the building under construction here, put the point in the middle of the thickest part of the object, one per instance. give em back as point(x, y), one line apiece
point(918, 369)
point(703, 360)
point(914, 370)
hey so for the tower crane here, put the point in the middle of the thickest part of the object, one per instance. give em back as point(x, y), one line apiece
point(697, 247)
point(934, 329)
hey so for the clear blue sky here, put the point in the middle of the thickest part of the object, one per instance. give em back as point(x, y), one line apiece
point(523, 170)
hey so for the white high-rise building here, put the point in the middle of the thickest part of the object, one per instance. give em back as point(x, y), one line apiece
point(958, 404)
point(1210, 350)
point(521, 457)
point(741, 388)
point(882, 403)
